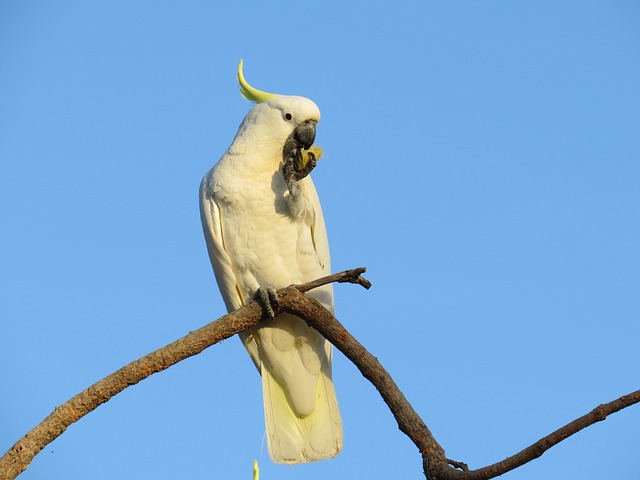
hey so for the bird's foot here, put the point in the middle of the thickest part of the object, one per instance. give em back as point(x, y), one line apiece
point(268, 297)
point(297, 166)
point(290, 175)
point(304, 163)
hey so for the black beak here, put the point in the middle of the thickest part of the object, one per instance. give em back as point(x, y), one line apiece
point(305, 134)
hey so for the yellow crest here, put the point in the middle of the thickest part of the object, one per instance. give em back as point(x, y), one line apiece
point(250, 93)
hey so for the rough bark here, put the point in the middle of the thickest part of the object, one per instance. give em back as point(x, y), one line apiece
point(293, 300)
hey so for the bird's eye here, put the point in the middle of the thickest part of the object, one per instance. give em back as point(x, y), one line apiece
point(287, 116)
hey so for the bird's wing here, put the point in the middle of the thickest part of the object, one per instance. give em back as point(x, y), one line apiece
point(211, 217)
point(212, 222)
point(320, 241)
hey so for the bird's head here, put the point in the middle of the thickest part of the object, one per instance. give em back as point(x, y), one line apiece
point(286, 122)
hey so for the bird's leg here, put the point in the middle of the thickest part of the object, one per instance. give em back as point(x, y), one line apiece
point(268, 297)
point(290, 174)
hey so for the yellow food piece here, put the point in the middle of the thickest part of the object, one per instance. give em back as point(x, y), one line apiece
point(317, 152)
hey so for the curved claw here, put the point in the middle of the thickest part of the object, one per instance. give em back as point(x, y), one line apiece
point(302, 168)
point(268, 297)
point(299, 164)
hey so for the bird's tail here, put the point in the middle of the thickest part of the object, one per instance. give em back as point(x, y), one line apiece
point(293, 439)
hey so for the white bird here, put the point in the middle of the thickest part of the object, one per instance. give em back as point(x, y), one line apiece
point(264, 232)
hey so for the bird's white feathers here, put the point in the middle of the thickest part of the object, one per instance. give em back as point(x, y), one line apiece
point(258, 235)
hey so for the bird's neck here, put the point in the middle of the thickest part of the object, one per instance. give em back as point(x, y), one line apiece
point(255, 156)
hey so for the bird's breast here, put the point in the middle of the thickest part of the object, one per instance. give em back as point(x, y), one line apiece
point(268, 246)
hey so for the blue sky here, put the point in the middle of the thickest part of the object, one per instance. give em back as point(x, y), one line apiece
point(482, 162)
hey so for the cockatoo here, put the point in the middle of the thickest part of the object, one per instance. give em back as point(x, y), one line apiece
point(264, 230)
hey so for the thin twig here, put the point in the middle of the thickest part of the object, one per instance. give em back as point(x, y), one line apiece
point(348, 276)
point(459, 465)
point(537, 449)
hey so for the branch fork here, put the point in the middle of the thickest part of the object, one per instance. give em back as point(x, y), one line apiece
point(293, 300)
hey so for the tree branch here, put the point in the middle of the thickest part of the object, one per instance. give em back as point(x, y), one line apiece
point(436, 465)
point(293, 300)
point(18, 457)
point(601, 412)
